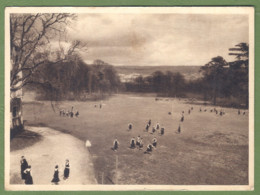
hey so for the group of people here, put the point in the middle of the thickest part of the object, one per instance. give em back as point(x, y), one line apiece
point(154, 128)
point(26, 173)
point(56, 178)
point(138, 142)
point(69, 113)
point(220, 112)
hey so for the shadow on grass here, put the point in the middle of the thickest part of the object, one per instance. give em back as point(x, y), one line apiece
point(24, 139)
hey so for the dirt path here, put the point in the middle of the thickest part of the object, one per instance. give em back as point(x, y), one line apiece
point(53, 149)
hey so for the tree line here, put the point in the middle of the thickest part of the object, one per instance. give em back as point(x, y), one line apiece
point(76, 80)
point(221, 81)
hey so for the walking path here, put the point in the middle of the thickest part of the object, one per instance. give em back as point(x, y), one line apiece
point(54, 149)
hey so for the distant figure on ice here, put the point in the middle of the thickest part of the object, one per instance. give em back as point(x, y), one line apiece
point(244, 113)
point(28, 176)
point(100, 105)
point(189, 112)
point(56, 178)
point(24, 165)
point(132, 143)
point(149, 149)
point(77, 114)
point(238, 112)
point(130, 126)
point(154, 142)
point(115, 144)
point(66, 173)
point(200, 109)
point(191, 108)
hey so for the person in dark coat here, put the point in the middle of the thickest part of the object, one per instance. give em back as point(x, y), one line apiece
point(130, 126)
point(115, 144)
point(141, 144)
point(162, 131)
point(138, 140)
point(153, 130)
point(147, 127)
point(28, 176)
point(149, 122)
point(77, 114)
point(24, 165)
point(182, 118)
point(149, 149)
point(132, 143)
point(179, 129)
point(56, 178)
point(66, 170)
point(154, 142)
point(157, 126)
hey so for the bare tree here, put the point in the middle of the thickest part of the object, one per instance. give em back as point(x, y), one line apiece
point(32, 37)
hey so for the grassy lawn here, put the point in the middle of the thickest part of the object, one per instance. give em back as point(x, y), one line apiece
point(211, 149)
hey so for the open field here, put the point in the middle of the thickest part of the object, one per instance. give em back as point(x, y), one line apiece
point(211, 149)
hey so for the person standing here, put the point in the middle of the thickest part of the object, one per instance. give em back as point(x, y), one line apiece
point(130, 126)
point(147, 127)
point(56, 178)
point(67, 169)
point(162, 131)
point(154, 141)
point(24, 165)
point(115, 144)
point(149, 122)
point(132, 143)
point(28, 176)
point(149, 149)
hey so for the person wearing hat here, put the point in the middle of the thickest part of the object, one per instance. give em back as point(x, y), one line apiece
point(56, 178)
point(24, 165)
point(67, 169)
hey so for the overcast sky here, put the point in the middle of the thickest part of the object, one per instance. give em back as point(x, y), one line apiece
point(159, 39)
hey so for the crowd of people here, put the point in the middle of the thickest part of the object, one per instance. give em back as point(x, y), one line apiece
point(26, 173)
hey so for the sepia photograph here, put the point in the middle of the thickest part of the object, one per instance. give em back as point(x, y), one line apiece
point(129, 98)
